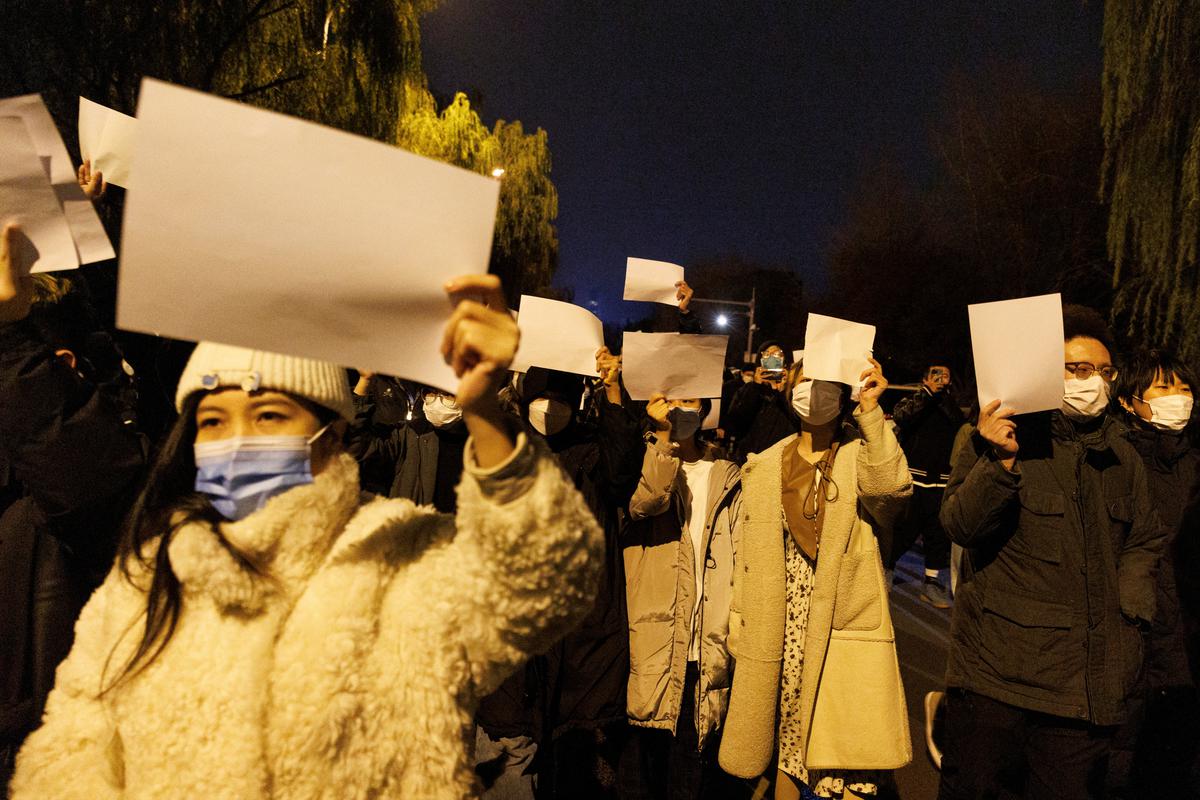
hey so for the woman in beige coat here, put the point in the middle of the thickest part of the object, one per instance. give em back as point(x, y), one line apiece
point(810, 628)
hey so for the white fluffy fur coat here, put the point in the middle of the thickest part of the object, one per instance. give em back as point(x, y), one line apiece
point(345, 660)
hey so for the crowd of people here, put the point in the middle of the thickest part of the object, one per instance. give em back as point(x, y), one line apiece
point(328, 583)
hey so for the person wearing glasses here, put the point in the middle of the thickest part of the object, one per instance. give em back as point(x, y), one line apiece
point(1057, 586)
point(927, 422)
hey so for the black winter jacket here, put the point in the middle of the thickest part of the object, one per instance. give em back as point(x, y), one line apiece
point(1059, 570)
point(757, 418)
point(68, 469)
point(580, 682)
point(927, 424)
point(1171, 468)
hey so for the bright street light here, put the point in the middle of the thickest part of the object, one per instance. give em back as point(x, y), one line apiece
point(722, 320)
point(498, 172)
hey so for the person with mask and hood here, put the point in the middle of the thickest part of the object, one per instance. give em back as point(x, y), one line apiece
point(818, 679)
point(405, 448)
point(680, 549)
point(1155, 754)
point(569, 705)
point(1062, 542)
point(271, 631)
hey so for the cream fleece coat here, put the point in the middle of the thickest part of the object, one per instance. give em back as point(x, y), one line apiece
point(852, 699)
point(346, 663)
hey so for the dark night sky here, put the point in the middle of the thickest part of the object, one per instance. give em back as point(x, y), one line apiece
point(683, 131)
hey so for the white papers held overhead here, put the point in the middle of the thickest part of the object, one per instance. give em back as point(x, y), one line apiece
point(90, 241)
point(836, 349)
point(1018, 349)
point(106, 138)
point(652, 281)
point(557, 335)
point(682, 366)
point(299, 239)
point(27, 198)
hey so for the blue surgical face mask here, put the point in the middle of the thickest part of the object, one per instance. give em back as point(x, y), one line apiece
point(241, 474)
point(773, 363)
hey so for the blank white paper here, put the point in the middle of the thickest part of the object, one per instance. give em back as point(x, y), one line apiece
point(652, 281)
point(836, 349)
point(1018, 349)
point(106, 137)
point(27, 198)
point(91, 242)
point(298, 239)
point(682, 366)
point(557, 335)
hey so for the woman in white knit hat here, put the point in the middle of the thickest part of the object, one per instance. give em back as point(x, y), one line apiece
point(270, 632)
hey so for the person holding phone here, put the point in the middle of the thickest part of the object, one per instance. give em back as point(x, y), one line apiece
point(759, 414)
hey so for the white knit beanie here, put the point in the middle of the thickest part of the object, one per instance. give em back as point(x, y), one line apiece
point(215, 365)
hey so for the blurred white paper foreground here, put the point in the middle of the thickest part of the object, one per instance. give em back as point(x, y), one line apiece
point(1018, 349)
point(652, 281)
point(836, 349)
point(27, 198)
point(297, 238)
point(682, 366)
point(557, 335)
point(106, 137)
point(91, 242)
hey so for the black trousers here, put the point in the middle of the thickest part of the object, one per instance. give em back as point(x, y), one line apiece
point(658, 766)
point(994, 750)
point(920, 520)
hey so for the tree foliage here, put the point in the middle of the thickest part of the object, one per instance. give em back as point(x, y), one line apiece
point(525, 251)
point(1009, 210)
point(1151, 171)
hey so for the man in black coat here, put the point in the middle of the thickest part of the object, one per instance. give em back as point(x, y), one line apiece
point(69, 465)
point(1062, 544)
point(927, 423)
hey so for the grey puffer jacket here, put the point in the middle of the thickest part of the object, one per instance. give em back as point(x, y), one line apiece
point(1059, 570)
point(660, 588)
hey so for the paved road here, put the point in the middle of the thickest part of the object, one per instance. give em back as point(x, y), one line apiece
point(922, 633)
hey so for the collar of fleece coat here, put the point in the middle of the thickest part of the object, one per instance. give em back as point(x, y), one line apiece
point(273, 551)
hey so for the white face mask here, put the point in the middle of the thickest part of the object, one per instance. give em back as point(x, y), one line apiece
point(442, 412)
point(817, 402)
point(1170, 412)
point(1085, 399)
point(549, 416)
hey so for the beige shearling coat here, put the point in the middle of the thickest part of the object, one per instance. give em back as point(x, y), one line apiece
point(347, 664)
point(852, 698)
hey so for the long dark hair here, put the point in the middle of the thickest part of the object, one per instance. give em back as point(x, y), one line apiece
point(168, 502)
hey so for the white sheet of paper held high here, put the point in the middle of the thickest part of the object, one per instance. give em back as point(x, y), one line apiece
point(106, 137)
point(836, 349)
point(652, 281)
point(28, 199)
point(300, 239)
point(1018, 349)
point(91, 242)
point(683, 366)
point(557, 335)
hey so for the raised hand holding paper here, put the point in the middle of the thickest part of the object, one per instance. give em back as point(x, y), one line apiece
point(1018, 349)
point(106, 139)
point(652, 281)
point(90, 241)
point(837, 349)
point(27, 198)
point(344, 258)
point(557, 335)
point(679, 365)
